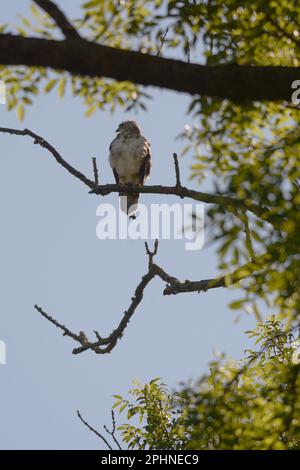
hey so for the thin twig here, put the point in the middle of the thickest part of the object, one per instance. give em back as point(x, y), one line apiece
point(66, 331)
point(177, 171)
point(112, 433)
point(249, 243)
point(150, 253)
point(162, 42)
point(43, 143)
point(96, 173)
point(94, 430)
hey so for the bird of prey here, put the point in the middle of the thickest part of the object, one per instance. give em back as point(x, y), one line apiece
point(130, 160)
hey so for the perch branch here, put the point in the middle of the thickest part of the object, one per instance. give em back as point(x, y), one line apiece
point(181, 191)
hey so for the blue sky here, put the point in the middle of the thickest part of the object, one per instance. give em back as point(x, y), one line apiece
point(50, 255)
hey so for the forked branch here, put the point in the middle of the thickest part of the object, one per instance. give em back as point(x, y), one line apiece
point(103, 345)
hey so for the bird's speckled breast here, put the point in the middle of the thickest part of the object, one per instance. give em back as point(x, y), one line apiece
point(126, 154)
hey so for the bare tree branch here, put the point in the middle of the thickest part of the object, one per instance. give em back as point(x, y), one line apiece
point(96, 173)
point(43, 143)
point(177, 171)
point(173, 286)
point(94, 430)
point(112, 433)
point(229, 279)
point(59, 18)
point(177, 190)
point(66, 331)
point(228, 202)
point(83, 58)
point(98, 434)
point(150, 253)
point(105, 345)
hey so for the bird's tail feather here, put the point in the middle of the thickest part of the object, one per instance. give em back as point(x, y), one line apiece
point(129, 203)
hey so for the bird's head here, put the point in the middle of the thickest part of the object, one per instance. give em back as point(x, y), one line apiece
point(129, 127)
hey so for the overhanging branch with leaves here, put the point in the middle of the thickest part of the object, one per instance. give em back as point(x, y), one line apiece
point(83, 58)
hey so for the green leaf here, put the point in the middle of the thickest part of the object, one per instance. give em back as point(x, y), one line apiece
point(20, 112)
point(122, 407)
point(50, 85)
point(237, 304)
point(91, 109)
point(62, 87)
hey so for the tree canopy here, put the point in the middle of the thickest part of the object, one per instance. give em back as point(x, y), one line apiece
point(249, 404)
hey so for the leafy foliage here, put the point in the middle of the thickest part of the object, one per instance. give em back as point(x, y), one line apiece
point(157, 410)
point(252, 151)
point(252, 404)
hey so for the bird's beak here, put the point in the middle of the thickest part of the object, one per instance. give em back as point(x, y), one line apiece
point(118, 130)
